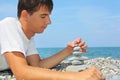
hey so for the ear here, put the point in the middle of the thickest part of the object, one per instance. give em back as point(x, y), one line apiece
point(24, 15)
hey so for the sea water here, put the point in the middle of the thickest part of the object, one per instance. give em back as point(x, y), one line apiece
point(93, 52)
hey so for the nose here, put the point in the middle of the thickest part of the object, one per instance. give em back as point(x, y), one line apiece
point(48, 21)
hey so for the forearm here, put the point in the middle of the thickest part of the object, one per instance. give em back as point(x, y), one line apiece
point(56, 59)
point(34, 73)
point(23, 71)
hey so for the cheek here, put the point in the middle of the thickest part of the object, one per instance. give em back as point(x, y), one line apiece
point(30, 21)
point(35, 22)
point(41, 22)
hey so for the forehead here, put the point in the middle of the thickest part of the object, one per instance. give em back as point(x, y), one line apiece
point(44, 9)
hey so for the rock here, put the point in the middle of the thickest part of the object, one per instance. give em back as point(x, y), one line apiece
point(77, 53)
point(73, 58)
point(76, 68)
point(113, 77)
point(2, 77)
point(83, 58)
point(76, 48)
point(78, 58)
point(77, 62)
point(6, 75)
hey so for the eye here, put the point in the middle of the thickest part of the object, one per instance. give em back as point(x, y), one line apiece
point(42, 15)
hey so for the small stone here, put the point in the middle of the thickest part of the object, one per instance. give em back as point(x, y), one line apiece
point(2, 77)
point(76, 49)
point(77, 53)
point(83, 58)
point(77, 62)
point(77, 68)
point(73, 58)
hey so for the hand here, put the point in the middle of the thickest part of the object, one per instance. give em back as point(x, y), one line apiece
point(89, 74)
point(80, 43)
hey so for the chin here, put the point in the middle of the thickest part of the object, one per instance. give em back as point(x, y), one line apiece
point(40, 32)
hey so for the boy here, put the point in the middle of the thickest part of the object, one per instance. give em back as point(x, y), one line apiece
point(17, 50)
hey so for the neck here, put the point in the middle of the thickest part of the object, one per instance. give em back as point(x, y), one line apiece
point(26, 29)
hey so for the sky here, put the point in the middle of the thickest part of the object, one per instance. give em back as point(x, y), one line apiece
point(97, 22)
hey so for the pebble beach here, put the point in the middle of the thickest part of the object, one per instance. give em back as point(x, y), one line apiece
point(108, 66)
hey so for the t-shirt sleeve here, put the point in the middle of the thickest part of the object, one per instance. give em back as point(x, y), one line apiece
point(9, 38)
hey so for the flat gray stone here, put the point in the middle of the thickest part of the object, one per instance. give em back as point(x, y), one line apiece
point(76, 68)
point(83, 58)
point(77, 62)
point(76, 53)
point(73, 58)
point(76, 49)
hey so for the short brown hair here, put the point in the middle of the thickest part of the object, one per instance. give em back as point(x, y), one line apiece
point(33, 5)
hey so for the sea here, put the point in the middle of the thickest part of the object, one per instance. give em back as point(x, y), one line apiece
point(93, 52)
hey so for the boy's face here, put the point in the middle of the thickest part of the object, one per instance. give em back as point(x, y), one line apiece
point(38, 21)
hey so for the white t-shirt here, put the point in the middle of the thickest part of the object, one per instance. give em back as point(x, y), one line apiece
point(12, 38)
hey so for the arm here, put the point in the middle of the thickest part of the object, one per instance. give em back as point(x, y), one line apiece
point(23, 71)
point(54, 60)
point(49, 62)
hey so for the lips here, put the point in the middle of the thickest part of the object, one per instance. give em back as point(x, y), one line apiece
point(44, 27)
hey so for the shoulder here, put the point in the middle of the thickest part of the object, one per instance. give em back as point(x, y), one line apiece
point(9, 26)
point(8, 21)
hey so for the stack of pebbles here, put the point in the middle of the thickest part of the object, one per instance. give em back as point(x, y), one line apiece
point(77, 60)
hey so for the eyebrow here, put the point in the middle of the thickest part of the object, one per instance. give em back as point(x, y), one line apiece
point(44, 14)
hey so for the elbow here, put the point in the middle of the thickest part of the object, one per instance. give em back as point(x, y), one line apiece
point(20, 73)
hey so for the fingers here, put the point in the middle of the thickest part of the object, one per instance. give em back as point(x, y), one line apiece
point(83, 50)
point(82, 44)
point(78, 42)
point(74, 43)
point(96, 74)
point(71, 44)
